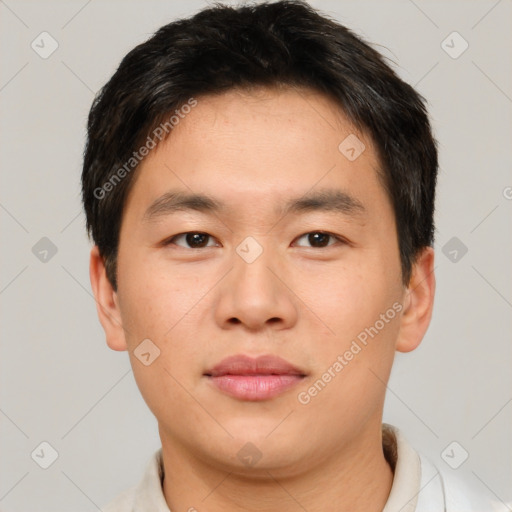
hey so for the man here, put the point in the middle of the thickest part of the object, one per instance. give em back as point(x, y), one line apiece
point(260, 189)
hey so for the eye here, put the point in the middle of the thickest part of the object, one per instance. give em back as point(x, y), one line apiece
point(199, 240)
point(320, 239)
point(194, 239)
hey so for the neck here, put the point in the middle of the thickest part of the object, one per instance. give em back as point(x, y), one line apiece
point(355, 478)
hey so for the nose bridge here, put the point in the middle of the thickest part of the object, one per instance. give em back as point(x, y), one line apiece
point(254, 294)
point(251, 266)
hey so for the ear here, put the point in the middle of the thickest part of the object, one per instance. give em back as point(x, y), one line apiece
point(106, 302)
point(418, 302)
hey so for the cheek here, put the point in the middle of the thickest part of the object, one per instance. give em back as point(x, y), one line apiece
point(161, 309)
point(167, 309)
point(163, 386)
point(152, 299)
point(339, 298)
point(350, 303)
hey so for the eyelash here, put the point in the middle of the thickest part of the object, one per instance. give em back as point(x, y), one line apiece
point(170, 241)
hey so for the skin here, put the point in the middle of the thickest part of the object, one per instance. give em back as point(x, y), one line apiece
point(255, 150)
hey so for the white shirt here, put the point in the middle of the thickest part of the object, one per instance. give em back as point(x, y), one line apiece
point(418, 485)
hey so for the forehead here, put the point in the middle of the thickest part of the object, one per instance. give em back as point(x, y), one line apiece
point(260, 149)
point(253, 119)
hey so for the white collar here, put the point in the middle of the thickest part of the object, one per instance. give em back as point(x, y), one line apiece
point(418, 485)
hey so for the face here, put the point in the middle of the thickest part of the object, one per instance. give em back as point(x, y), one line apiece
point(292, 253)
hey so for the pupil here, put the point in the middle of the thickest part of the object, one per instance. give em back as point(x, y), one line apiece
point(196, 239)
point(317, 239)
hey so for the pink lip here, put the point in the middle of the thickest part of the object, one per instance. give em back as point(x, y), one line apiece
point(247, 378)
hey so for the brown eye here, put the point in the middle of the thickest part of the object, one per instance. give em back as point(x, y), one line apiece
point(193, 239)
point(320, 239)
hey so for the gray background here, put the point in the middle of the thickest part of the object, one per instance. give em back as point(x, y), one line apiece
point(61, 384)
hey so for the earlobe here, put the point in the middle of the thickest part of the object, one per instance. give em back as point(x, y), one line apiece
point(418, 302)
point(107, 303)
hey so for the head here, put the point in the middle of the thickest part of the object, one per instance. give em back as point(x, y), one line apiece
point(312, 168)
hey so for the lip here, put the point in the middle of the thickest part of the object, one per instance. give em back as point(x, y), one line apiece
point(254, 379)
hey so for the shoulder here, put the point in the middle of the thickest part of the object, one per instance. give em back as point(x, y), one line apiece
point(461, 492)
point(147, 495)
point(420, 485)
point(122, 503)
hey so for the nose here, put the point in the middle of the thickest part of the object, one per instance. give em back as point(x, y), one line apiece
point(256, 294)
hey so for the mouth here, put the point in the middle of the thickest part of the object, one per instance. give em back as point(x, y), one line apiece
point(254, 379)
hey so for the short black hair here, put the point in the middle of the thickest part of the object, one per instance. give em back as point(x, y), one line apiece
point(270, 44)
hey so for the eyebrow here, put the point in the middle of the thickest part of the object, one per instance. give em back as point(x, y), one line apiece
point(332, 200)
